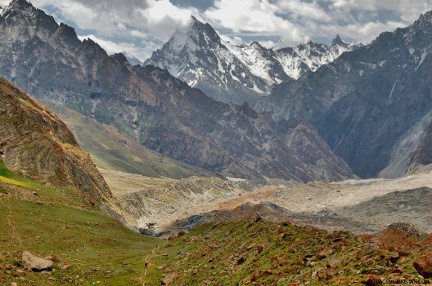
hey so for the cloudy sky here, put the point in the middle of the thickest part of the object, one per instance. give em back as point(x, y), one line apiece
point(141, 26)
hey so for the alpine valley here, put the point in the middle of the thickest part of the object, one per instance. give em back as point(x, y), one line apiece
point(213, 163)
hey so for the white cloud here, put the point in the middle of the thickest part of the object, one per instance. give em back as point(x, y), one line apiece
point(139, 22)
point(114, 18)
point(233, 40)
point(142, 26)
point(302, 20)
point(120, 47)
point(252, 16)
point(303, 10)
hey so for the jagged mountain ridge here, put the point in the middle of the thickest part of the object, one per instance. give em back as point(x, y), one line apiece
point(310, 56)
point(371, 105)
point(230, 73)
point(152, 107)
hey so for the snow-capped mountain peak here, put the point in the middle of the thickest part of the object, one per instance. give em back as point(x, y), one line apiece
point(197, 55)
point(18, 5)
point(339, 42)
point(236, 73)
point(188, 36)
point(310, 56)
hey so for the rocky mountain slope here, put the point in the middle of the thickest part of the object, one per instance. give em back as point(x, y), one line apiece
point(153, 108)
point(233, 74)
point(253, 250)
point(111, 150)
point(37, 144)
point(371, 105)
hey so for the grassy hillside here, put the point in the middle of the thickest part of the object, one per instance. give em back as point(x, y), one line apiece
point(92, 248)
point(90, 245)
point(258, 252)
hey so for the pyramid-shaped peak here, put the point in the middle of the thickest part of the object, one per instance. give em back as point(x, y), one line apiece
point(338, 41)
point(192, 26)
point(256, 44)
point(195, 34)
point(195, 20)
point(19, 5)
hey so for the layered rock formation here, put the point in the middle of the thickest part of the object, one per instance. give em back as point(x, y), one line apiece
point(37, 144)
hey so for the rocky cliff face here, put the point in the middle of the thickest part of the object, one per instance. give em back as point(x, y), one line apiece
point(37, 144)
point(148, 104)
point(422, 157)
point(368, 102)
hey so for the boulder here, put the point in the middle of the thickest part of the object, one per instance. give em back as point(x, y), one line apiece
point(373, 280)
point(169, 278)
point(423, 265)
point(34, 263)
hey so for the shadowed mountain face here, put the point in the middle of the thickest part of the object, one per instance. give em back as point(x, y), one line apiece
point(153, 108)
point(371, 105)
point(37, 144)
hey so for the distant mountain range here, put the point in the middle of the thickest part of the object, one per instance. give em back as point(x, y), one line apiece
point(372, 105)
point(151, 107)
point(233, 74)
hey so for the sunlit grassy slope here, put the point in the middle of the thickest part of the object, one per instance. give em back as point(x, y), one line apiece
point(60, 222)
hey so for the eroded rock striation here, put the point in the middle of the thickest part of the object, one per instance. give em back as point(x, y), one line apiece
point(37, 144)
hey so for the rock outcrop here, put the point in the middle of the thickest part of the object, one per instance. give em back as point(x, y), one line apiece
point(33, 263)
point(423, 265)
point(37, 144)
point(422, 157)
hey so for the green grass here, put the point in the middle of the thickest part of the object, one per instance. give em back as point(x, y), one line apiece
point(98, 248)
point(4, 171)
point(60, 222)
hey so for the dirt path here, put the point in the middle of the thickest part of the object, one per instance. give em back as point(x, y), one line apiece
point(147, 262)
